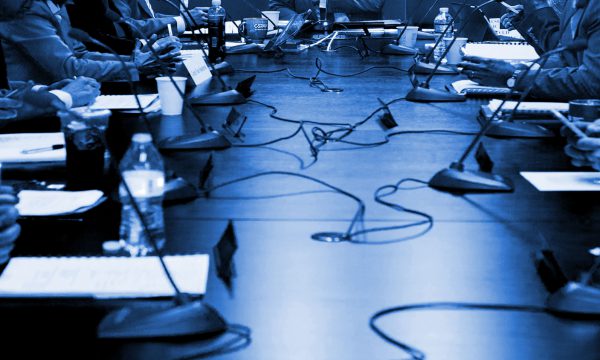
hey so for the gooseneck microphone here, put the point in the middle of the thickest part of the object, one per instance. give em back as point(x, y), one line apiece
point(398, 49)
point(208, 137)
point(182, 318)
point(456, 178)
point(422, 92)
point(227, 96)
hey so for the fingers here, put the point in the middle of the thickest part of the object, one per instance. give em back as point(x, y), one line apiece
point(9, 235)
point(8, 199)
point(8, 216)
point(588, 144)
point(8, 103)
point(6, 190)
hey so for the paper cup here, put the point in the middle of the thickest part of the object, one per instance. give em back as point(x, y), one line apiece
point(409, 37)
point(170, 100)
point(273, 16)
point(455, 55)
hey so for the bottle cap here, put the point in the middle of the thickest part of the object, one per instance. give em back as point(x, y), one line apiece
point(444, 9)
point(142, 138)
point(216, 2)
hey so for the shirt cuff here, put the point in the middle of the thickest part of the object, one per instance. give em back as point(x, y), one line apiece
point(180, 24)
point(39, 87)
point(64, 97)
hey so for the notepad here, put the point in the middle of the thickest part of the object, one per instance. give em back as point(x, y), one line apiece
point(515, 51)
point(13, 145)
point(52, 203)
point(564, 181)
point(471, 88)
point(124, 102)
point(533, 108)
point(102, 277)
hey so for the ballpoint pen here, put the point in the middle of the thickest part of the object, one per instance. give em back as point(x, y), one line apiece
point(48, 148)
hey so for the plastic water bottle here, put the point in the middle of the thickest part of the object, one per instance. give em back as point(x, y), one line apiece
point(216, 31)
point(143, 171)
point(441, 22)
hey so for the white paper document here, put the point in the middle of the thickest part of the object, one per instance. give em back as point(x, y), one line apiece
point(564, 181)
point(52, 203)
point(103, 277)
point(13, 146)
point(530, 107)
point(501, 51)
point(124, 102)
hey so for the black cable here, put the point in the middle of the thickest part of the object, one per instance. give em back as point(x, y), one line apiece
point(241, 341)
point(319, 65)
point(417, 354)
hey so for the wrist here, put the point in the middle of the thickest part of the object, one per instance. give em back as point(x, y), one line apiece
point(511, 82)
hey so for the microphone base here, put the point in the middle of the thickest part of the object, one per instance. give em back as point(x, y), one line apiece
point(395, 49)
point(244, 49)
point(421, 94)
point(575, 299)
point(152, 322)
point(511, 129)
point(463, 181)
point(231, 97)
point(223, 68)
point(424, 68)
point(212, 140)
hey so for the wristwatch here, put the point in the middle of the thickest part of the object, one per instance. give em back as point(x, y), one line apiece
point(512, 81)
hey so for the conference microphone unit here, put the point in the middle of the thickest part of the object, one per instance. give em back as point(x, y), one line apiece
point(422, 92)
point(184, 317)
point(227, 96)
point(456, 178)
point(208, 139)
point(510, 128)
point(397, 49)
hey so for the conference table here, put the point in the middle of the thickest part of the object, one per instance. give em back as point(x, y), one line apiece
point(306, 299)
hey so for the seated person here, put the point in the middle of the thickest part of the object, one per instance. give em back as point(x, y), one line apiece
point(141, 14)
point(567, 76)
point(584, 152)
point(37, 47)
point(538, 22)
point(26, 101)
point(343, 10)
point(9, 229)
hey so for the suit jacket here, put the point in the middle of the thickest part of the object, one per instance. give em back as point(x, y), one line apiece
point(573, 74)
point(37, 47)
point(137, 12)
point(541, 29)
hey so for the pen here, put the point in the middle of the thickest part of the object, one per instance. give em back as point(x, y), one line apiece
point(569, 124)
point(509, 7)
point(48, 148)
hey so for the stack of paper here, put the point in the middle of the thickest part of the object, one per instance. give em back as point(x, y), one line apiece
point(103, 277)
point(530, 107)
point(124, 102)
point(564, 181)
point(13, 145)
point(52, 203)
point(501, 51)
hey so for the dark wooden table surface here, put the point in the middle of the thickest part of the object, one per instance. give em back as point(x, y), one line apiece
point(310, 300)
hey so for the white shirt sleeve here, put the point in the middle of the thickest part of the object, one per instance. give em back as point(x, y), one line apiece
point(180, 24)
point(64, 97)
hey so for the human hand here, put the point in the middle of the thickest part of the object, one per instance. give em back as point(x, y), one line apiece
point(487, 72)
point(199, 17)
point(8, 108)
point(584, 151)
point(83, 90)
point(9, 229)
point(507, 19)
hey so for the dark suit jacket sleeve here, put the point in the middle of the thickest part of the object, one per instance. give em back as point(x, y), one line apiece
point(36, 36)
point(286, 8)
point(575, 82)
point(147, 26)
point(541, 29)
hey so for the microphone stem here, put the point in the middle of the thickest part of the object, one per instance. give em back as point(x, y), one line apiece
point(194, 25)
point(203, 126)
point(447, 50)
point(489, 122)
